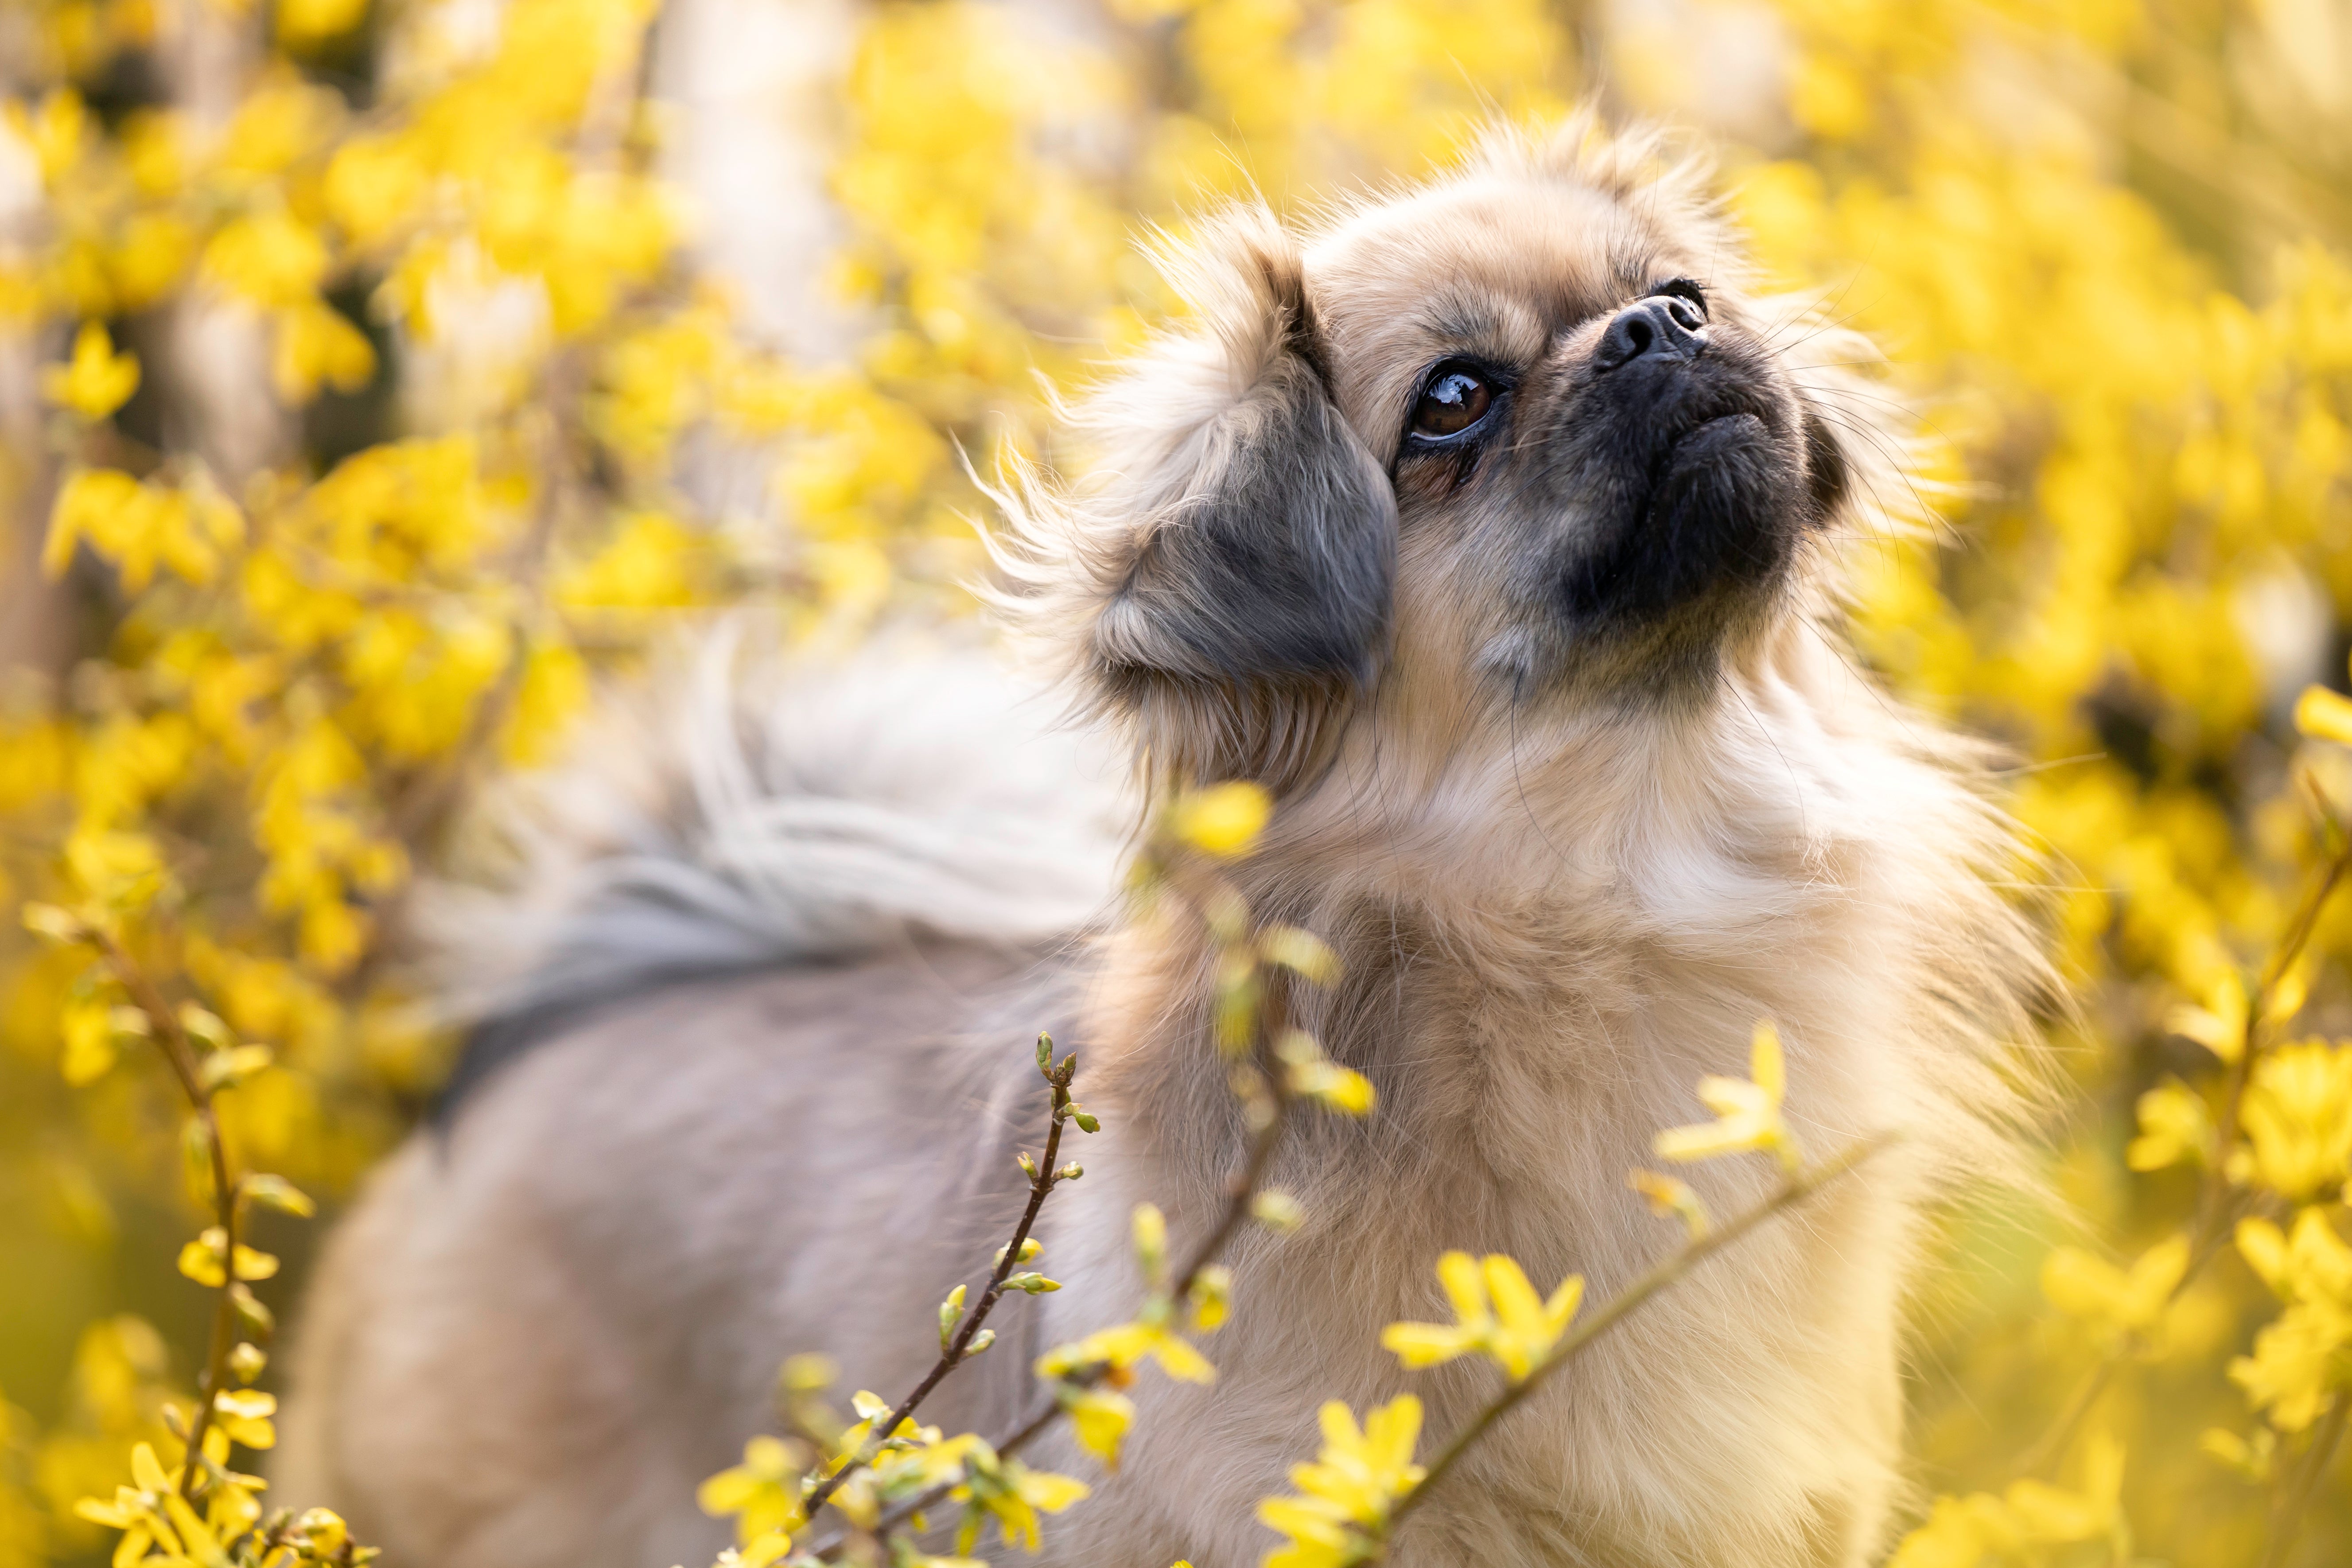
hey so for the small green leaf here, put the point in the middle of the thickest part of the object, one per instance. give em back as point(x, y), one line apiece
point(53, 924)
point(950, 1314)
point(278, 1193)
point(1280, 1210)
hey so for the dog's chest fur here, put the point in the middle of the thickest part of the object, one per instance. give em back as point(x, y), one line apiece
point(1528, 1034)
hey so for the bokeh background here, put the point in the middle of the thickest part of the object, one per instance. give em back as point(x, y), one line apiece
point(377, 376)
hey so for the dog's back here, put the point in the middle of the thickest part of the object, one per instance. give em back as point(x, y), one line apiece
point(751, 1005)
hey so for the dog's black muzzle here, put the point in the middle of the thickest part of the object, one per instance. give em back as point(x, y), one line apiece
point(1686, 451)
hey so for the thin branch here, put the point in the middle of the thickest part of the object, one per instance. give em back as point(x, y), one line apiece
point(172, 1038)
point(1796, 1189)
point(2079, 1406)
point(1041, 1183)
point(1242, 1189)
point(1241, 1193)
point(2286, 1520)
point(1242, 1186)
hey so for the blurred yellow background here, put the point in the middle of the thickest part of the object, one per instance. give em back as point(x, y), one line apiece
point(376, 378)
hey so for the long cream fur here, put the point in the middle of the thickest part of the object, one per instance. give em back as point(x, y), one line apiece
point(1555, 912)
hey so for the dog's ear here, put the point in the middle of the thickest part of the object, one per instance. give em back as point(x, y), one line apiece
point(1222, 578)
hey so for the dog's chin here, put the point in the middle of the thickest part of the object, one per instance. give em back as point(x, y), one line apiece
point(1694, 548)
point(1713, 517)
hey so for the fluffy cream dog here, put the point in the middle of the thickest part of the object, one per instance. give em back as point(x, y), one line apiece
point(1495, 528)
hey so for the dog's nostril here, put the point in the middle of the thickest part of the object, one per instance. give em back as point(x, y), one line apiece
point(1662, 327)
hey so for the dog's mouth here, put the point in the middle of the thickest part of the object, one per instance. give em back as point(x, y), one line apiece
point(1674, 443)
point(1711, 503)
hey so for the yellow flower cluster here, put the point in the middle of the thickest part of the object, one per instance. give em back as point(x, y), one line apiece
point(2031, 1524)
point(2298, 1369)
point(764, 1493)
point(1340, 1514)
point(295, 616)
point(1497, 1314)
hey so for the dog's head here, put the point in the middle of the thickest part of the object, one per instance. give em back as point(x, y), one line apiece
point(1521, 431)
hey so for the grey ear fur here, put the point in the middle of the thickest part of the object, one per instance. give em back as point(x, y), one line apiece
point(1222, 581)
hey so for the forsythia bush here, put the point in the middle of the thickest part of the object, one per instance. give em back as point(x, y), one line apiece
point(369, 386)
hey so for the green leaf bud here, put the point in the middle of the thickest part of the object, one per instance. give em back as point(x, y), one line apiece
point(950, 1314)
point(1278, 1210)
point(276, 1193)
point(1032, 1282)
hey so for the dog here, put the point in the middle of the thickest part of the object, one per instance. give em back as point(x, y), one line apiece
point(1494, 526)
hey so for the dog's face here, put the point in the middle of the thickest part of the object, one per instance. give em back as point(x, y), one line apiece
point(1519, 434)
point(1599, 471)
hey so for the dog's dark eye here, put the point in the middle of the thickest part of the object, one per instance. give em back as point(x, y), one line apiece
point(1685, 289)
point(1455, 399)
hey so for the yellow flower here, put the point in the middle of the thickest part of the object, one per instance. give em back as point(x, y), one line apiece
point(1148, 1228)
point(271, 259)
point(2324, 715)
point(2121, 1301)
point(2251, 1457)
point(1982, 1529)
point(373, 184)
point(1100, 1418)
point(1498, 1312)
point(1748, 1111)
point(1341, 1513)
point(1034, 1492)
point(764, 1492)
point(1009, 1493)
point(122, 872)
point(2173, 1126)
point(244, 1414)
point(1124, 1345)
point(2298, 1366)
point(1309, 1074)
point(149, 1513)
point(1211, 1297)
point(57, 132)
point(90, 1025)
point(1222, 820)
point(314, 345)
point(312, 21)
point(2298, 1120)
point(201, 1261)
point(153, 252)
point(139, 526)
point(760, 1551)
point(646, 564)
point(2219, 1025)
point(1671, 1195)
point(97, 381)
point(154, 148)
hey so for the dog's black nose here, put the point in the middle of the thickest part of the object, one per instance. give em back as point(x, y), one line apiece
point(1662, 327)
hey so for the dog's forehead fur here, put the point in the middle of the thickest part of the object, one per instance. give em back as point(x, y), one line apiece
point(1496, 263)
